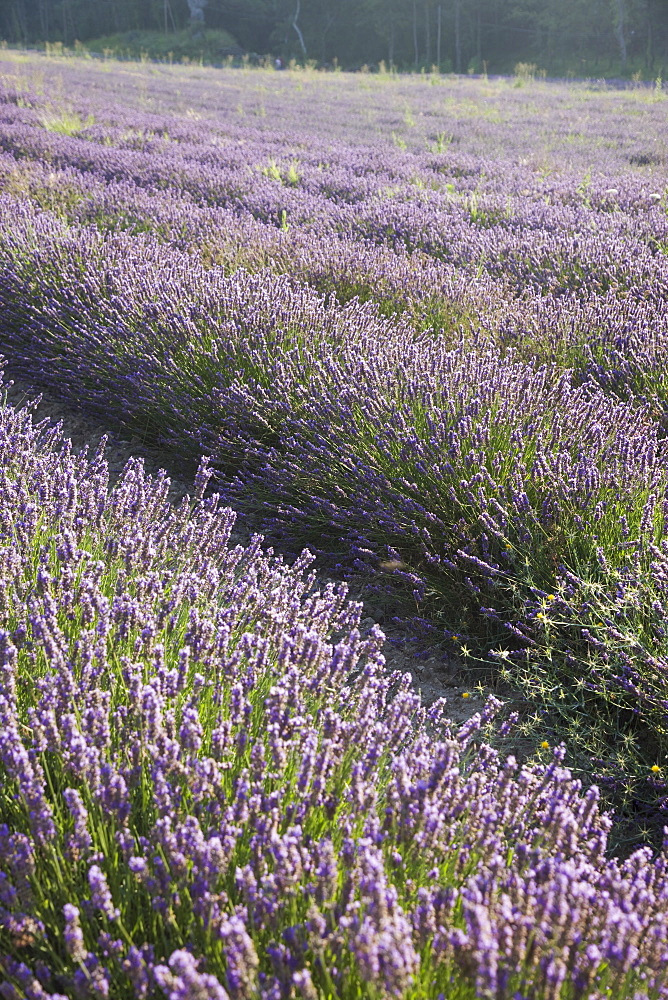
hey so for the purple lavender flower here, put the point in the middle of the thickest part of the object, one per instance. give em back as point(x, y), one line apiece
point(185, 982)
point(100, 894)
point(241, 959)
point(73, 935)
point(80, 842)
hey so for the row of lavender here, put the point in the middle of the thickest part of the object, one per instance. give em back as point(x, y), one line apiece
point(538, 498)
point(564, 263)
point(559, 230)
point(479, 404)
point(202, 796)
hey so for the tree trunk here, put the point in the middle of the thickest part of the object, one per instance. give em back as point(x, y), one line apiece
point(196, 8)
point(415, 34)
point(620, 26)
point(649, 59)
point(478, 38)
point(438, 36)
point(427, 34)
point(20, 21)
point(295, 25)
point(44, 18)
point(331, 19)
point(458, 36)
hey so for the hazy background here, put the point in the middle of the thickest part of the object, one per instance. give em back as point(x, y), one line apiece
point(559, 37)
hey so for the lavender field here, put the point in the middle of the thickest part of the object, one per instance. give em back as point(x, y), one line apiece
point(420, 326)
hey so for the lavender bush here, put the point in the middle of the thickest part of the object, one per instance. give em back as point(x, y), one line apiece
point(203, 795)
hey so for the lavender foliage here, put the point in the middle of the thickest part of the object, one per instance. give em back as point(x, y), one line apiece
point(424, 331)
point(203, 795)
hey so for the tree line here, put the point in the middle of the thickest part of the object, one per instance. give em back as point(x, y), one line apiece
point(562, 37)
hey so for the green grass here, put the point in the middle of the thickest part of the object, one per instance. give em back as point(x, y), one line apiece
point(65, 122)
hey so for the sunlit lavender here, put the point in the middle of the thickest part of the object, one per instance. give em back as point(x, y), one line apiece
point(420, 326)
